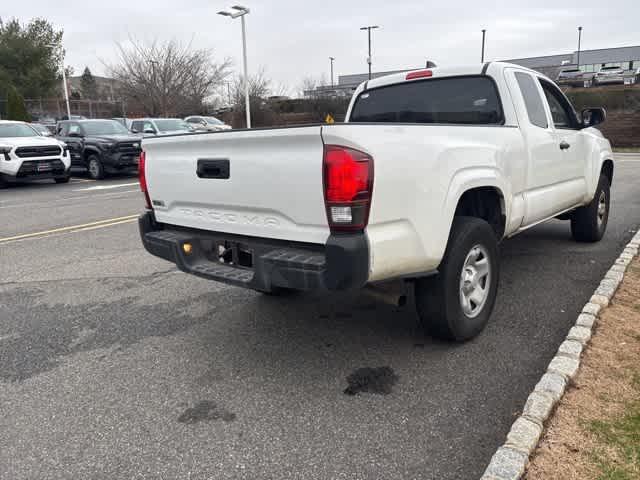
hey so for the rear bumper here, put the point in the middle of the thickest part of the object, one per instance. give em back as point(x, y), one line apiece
point(341, 264)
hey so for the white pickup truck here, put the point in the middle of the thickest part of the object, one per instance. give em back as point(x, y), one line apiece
point(431, 169)
point(26, 155)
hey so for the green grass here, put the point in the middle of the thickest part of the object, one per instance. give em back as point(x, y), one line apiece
point(623, 435)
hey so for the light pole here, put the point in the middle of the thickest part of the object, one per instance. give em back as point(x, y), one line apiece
point(579, 39)
point(64, 81)
point(235, 12)
point(332, 59)
point(484, 32)
point(368, 29)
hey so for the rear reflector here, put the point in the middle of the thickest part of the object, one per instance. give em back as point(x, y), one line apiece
point(419, 74)
point(348, 185)
point(142, 177)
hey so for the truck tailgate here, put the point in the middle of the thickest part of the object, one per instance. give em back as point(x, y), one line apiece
point(263, 183)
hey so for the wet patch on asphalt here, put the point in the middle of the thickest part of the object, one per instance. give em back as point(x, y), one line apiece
point(45, 333)
point(371, 380)
point(206, 411)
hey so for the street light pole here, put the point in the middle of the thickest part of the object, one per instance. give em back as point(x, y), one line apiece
point(484, 31)
point(579, 40)
point(64, 80)
point(66, 89)
point(239, 11)
point(368, 29)
point(332, 59)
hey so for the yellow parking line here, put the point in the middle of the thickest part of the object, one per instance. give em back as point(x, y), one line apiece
point(100, 223)
point(95, 227)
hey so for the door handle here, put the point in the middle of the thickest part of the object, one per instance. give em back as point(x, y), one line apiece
point(564, 145)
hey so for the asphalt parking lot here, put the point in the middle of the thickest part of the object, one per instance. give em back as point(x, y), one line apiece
point(113, 364)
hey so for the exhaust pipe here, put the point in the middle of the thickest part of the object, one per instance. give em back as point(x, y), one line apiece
point(387, 295)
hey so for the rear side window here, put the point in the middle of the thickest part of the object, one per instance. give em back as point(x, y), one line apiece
point(471, 100)
point(532, 100)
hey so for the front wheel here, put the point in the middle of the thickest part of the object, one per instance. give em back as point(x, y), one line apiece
point(95, 167)
point(64, 179)
point(456, 304)
point(589, 223)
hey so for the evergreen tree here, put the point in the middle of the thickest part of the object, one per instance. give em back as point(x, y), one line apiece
point(88, 85)
point(16, 109)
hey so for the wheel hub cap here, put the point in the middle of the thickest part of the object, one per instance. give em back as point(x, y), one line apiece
point(475, 281)
point(602, 208)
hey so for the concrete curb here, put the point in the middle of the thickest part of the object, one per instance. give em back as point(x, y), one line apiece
point(511, 459)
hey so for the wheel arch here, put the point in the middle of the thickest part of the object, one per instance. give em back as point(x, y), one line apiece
point(607, 170)
point(88, 151)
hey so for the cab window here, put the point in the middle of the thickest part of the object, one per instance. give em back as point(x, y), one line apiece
point(562, 112)
point(74, 129)
point(532, 100)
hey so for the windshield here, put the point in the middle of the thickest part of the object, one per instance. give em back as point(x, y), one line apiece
point(172, 125)
point(16, 130)
point(104, 127)
point(41, 128)
point(213, 121)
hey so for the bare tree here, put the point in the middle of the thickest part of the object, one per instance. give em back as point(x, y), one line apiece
point(259, 90)
point(310, 84)
point(167, 78)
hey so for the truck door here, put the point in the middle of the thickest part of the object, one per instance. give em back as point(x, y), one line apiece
point(572, 142)
point(551, 183)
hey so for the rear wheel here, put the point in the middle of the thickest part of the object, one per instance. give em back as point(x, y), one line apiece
point(456, 304)
point(95, 167)
point(589, 223)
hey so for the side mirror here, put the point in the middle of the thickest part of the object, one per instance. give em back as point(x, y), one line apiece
point(135, 130)
point(593, 116)
point(149, 130)
point(75, 134)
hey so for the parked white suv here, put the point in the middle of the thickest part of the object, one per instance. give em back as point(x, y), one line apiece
point(430, 171)
point(26, 155)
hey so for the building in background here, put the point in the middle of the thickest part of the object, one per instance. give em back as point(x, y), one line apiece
point(591, 61)
point(347, 84)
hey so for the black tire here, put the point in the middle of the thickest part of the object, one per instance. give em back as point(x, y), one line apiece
point(95, 167)
point(439, 298)
point(64, 179)
point(589, 223)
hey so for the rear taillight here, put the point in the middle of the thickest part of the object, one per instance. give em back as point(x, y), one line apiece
point(348, 186)
point(143, 179)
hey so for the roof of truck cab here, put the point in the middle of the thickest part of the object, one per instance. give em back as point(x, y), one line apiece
point(488, 68)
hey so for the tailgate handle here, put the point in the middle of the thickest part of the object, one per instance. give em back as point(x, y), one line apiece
point(213, 168)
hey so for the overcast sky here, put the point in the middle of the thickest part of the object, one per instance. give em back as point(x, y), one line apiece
point(293, 39)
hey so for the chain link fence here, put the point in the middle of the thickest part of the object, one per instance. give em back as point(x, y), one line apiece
point(48, 110)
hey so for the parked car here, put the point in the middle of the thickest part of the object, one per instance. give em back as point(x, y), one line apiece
point(207, 124)
point(430, 171)
point(43, 130)
point(100, 146)
point(125, 122)
point(572, 77)
point(26, 155)
point(608, 75)
point(160, 126)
